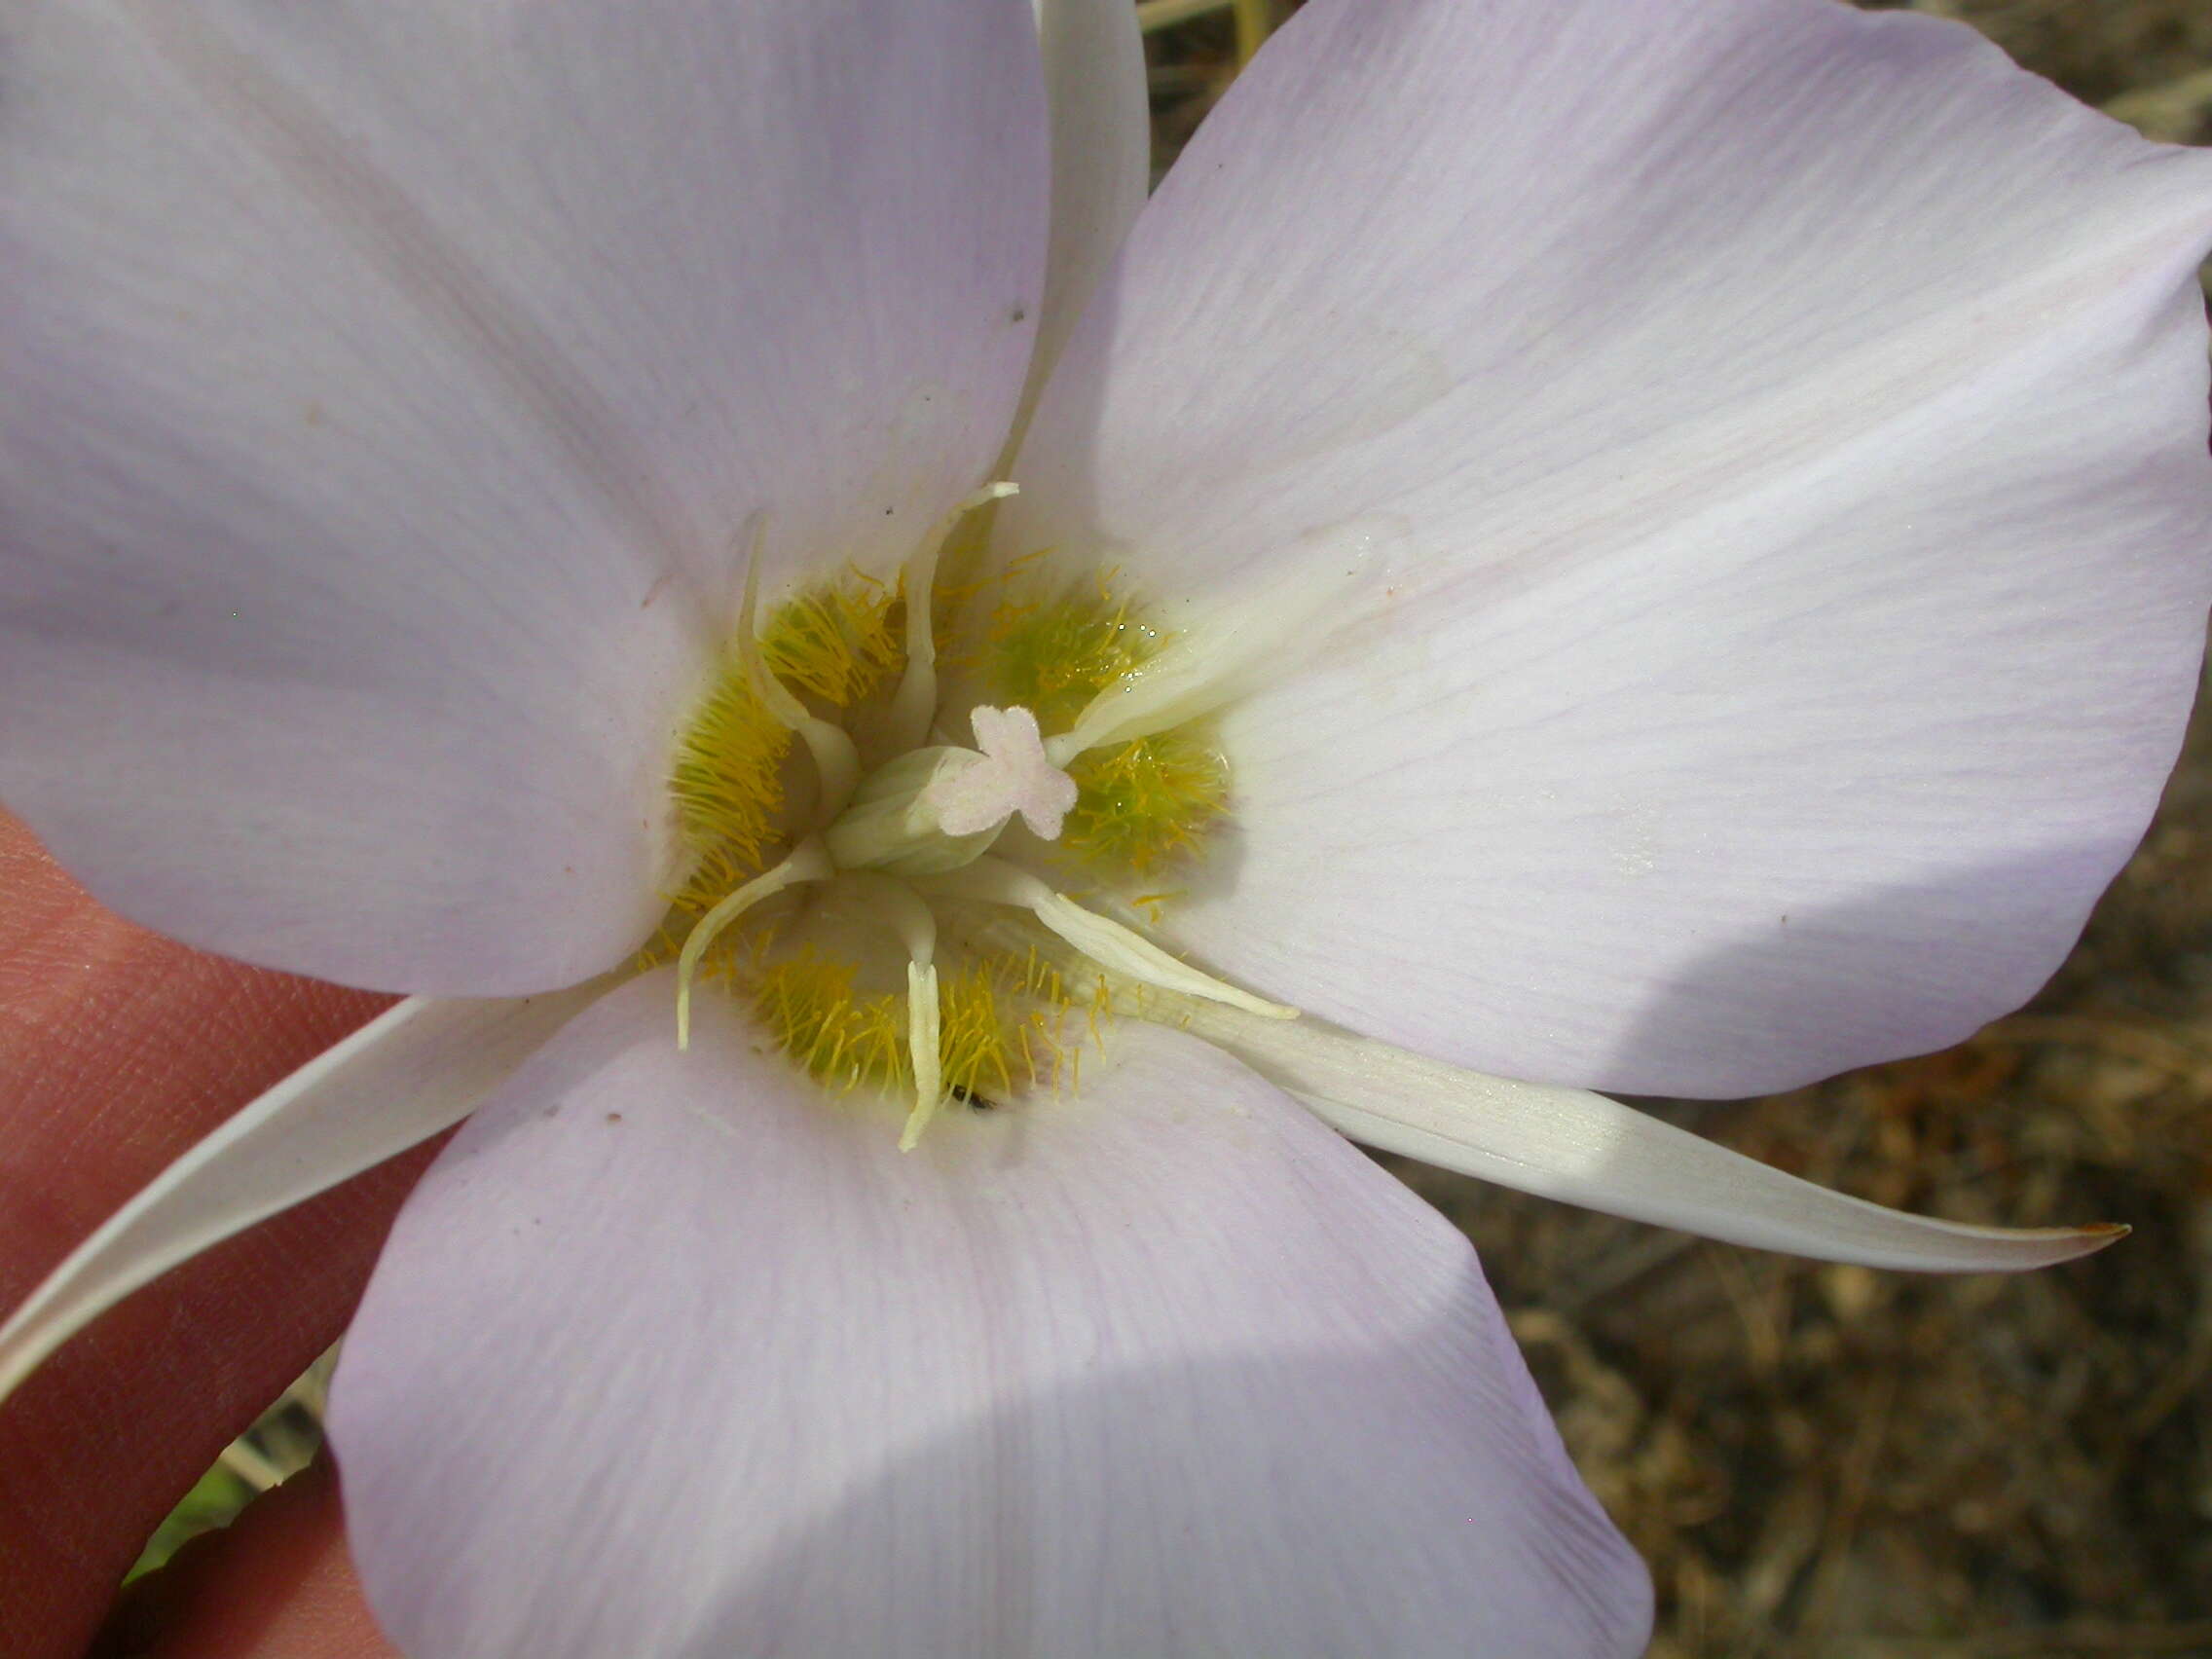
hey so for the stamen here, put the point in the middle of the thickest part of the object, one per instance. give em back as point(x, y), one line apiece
point(1121, 692)
point(1333, 574)
point(835, 759)
point(1113, 947)
point(808, 862)
point(914, 705)
point(899, 907)
point(922, 1038)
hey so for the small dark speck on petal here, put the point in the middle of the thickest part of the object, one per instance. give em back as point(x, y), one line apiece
point(615, 1117)
point(1019, 314)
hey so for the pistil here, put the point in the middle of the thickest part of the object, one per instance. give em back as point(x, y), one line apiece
point(936, 809)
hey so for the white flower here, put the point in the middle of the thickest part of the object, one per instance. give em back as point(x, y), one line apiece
point(1686, 525)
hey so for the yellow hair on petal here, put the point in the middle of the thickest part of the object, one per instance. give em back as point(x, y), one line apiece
point(838, 643)
point(1140, 804)
point(834, 1033)
point(1054, 657)
point(979, 1037)
point(728, 783)
point(998, 1025)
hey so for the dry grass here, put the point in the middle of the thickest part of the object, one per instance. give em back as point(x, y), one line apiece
point(1827, 1462)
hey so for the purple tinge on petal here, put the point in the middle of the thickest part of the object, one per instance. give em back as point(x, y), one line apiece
point(1790, 424)
point(672, 1357)
point(391, 385)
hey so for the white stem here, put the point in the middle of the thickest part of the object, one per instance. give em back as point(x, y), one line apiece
point(914, 704)
point(899, 907)
point(807, 862)
point(1111, 946)
point(418, 1068)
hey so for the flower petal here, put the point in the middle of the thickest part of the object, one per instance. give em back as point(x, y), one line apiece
point(1582, 1148)
point(670, 1354)
point(389, 384)
point(415, 1069)
point(1791, 425)
point(1101, 157)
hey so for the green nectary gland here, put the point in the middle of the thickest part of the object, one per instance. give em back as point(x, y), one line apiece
point(1142, 806)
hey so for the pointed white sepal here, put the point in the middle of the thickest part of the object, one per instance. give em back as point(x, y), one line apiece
point(1094, 87)
point(1585, 1149)
point(418, 1068)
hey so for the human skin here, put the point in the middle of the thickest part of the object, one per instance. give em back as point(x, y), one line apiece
point(119, 1048)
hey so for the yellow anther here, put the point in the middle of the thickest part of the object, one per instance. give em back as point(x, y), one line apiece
point(924, 1031)
point(914, 705)
point(835, 761)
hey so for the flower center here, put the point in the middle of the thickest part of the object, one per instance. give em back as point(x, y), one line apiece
point(858, 898)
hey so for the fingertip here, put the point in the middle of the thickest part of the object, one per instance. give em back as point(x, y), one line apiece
point(275, 1584)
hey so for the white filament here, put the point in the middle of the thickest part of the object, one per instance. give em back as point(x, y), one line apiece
point(808, 862)
point(835, 761)
point(922, 1046)
point(900, 909)
point(914, 704)
point(1111, 946)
